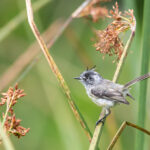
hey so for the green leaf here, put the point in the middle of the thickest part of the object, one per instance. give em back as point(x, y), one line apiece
point(144, 69)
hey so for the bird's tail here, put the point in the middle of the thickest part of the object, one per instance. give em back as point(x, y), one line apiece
point(127, 85)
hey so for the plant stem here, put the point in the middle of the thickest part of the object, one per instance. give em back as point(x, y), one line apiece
point(97, 133)
point(121, 129)
point(4, 137)
point(55, 69)
point(144, 69)
point(6, 141)
point(6, 112)
point(68, 21)
point(99, 128)
point(123, 56)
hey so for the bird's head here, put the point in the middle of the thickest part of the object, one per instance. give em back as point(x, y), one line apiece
point(89, 77)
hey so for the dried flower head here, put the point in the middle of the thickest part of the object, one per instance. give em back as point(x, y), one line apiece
point(10, 98)
point(12, 125)
point(108, 41)
point(94, 10)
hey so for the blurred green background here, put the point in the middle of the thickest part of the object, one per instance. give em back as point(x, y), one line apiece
point(45, 109)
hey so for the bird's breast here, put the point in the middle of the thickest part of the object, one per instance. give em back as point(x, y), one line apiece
point(99, 101)
point(104, 102)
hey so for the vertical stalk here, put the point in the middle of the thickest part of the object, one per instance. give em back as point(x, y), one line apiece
point(144, 69)
point(99, 128)
point(5, 139)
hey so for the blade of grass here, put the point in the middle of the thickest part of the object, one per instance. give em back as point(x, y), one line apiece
point(17, 20)
point(99, 128)
point(55, 69)
point(144, 69)
point(121, 129)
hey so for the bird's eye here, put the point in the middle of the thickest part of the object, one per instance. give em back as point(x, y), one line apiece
point(90, 78)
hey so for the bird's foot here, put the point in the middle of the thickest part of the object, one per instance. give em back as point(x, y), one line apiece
point(100, 121)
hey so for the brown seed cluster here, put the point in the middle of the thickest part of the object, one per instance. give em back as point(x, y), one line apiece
point(10, 98)
point(12, 125)
point(94, 10)
point(108, 41)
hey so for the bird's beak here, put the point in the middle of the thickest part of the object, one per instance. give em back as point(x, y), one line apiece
point(77, 78)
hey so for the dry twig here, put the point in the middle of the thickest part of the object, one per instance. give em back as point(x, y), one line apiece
point(121, 129)
point(55, 68)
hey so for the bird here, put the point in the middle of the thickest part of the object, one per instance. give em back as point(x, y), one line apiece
point(106, 93)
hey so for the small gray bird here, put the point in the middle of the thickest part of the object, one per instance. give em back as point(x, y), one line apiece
point(104, 92)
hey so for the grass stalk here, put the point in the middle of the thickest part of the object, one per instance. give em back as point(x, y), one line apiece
point(121, 129)
point(5, 139)
point(3, 135)
point(55, 69)
point(144, 69)
point(99, 128)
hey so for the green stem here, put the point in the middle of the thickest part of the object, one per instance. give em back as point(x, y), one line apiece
point(123, 56)
point(6, 112)
point(6, 141)
point(4, 137)
point(144, 69)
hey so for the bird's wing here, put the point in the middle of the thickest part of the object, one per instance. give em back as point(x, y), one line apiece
point(109, 92)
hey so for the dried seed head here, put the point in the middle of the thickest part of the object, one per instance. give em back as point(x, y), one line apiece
point(12, 125)
point(10, 98)
point(108, 40)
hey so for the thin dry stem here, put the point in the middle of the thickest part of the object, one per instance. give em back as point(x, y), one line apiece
point(98, 129)
point(121, 129)
point(55, 69)
point(68, 21)
point(79, 9)
point(125, 51)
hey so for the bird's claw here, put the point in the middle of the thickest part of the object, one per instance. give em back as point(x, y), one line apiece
point(100, 121)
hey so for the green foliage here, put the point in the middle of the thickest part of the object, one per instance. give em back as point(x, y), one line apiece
point(140, 142)
point(45, 110)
